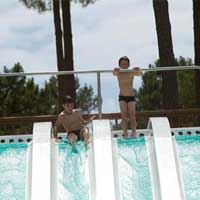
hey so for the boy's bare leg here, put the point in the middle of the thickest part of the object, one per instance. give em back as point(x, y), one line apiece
point(124, 113)
point(86, 136)
point(132, 112)
point(72, 138)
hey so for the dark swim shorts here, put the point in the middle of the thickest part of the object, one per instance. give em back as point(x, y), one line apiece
point(127, 99)
point(76, 132)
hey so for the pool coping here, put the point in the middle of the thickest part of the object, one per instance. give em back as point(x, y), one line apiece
point(116, 133)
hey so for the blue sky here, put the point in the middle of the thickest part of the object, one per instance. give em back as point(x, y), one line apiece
point(102, 33)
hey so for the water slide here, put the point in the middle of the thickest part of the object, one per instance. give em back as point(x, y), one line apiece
point(101, 172)
point(102, 166)
point(39, 163)
point(166, 179)
point(106, 186)
point(163, 163)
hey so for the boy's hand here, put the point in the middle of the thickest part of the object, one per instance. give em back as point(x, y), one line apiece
point(116, 71)
point(85, 122)
point(137, 71)
point(92, 117)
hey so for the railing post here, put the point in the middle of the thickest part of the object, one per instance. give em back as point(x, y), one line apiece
point(99, 94)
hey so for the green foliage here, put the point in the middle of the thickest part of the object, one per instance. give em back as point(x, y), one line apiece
point(39, 5)
point(11, 92)
point(30, 98)
point(49, 95)
point(186, 86)
point(85, 99)
point(150, 94)
point(84, 3)
point(22, 97)
point(44, 5)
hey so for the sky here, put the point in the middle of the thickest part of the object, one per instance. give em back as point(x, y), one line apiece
point(102, 32)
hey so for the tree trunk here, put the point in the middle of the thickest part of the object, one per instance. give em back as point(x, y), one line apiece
point(62, 80)
point(68, 47)
point(196, 18)
point(166, 54)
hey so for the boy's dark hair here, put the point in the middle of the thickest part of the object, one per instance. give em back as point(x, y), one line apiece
point(124, 58)
point(68, 99)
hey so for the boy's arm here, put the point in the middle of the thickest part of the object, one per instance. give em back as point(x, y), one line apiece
point(85, 122)
point(137, 71)
point(91, 118)
point(116, 71)
point(55, 132)
point(57, 125)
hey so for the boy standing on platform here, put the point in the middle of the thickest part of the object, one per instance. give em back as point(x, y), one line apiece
point(127, 96)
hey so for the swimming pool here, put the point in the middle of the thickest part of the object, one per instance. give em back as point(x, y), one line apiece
point(13, 158)
point(74, 167)
point(188, 148)
point(134, 172)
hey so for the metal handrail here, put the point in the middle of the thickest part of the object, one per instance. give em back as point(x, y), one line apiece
point(98, 72)
point(58, 73)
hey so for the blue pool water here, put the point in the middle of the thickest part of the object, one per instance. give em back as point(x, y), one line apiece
point(189, 155)
point(134, 171)
point(73, 176)
point(134, 174)
point(12, 171)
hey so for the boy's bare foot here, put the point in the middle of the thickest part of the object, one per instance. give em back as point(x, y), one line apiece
point(125, 135)
point(56, 140)
point(133, 135)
